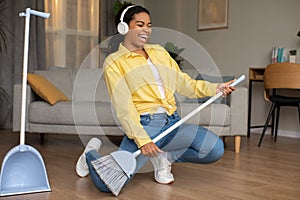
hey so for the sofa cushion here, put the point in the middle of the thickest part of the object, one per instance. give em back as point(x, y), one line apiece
point(71, 113)
point(212, 79)
point(89, 85)
point(82, 84)
point(59, 78)
point(46, 90)
point(212, 115)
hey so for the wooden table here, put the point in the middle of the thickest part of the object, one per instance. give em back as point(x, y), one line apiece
point(256, 74)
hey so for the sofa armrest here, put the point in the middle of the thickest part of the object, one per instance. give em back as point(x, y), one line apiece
point(238, 111)
point(17, 102)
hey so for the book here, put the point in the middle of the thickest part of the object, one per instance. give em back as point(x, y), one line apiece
point(279, 55)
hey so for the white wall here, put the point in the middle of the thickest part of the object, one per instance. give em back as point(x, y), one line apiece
point(254, 27)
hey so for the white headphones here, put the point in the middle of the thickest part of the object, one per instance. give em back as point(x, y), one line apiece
point(122, 26)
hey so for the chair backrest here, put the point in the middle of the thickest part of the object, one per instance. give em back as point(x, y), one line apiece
point(281, 76)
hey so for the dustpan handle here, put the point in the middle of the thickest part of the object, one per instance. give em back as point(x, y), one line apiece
point(27, 13)
point(34, 12)
point(191, 114)
point(24, 79)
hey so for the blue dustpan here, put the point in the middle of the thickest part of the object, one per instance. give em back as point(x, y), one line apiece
point(23, 170)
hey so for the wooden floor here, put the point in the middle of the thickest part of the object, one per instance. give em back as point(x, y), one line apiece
point(271, 171)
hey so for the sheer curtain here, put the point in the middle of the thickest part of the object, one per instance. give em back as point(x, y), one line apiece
point(72, 31)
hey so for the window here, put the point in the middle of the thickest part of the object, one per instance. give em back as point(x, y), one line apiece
point(72, 31)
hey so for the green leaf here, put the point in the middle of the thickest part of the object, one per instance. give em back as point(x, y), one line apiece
point(3, 38)
point(118, 5)
point(172, 48)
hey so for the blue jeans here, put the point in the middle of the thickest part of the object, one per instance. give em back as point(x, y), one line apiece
point(187, 143)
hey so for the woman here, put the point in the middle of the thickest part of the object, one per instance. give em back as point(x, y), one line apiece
point(142, 79)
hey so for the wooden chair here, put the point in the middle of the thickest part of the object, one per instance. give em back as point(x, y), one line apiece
point(281, 77)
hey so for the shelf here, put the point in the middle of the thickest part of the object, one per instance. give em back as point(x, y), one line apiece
point(256, 73)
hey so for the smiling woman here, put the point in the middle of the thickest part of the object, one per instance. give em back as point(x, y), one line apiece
point(138, 34)
point(142, 79)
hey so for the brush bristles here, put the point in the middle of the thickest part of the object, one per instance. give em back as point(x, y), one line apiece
point(110, 173)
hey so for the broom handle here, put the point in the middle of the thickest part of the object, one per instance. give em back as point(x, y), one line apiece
point(191, 114)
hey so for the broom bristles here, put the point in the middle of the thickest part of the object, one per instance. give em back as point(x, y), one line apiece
point(110, 173)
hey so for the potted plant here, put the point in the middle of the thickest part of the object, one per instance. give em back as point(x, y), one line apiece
point(292, 56)
point(174, 52)
point(118, 5)
point(4, 97)
point(3, 46)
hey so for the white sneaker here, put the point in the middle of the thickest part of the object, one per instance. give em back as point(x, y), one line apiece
point(82, 168)
point(162, 169)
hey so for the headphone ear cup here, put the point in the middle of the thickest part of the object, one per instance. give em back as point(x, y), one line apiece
point(123, 28)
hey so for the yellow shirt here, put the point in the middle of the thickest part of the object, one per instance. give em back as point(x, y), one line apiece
point(133, 89)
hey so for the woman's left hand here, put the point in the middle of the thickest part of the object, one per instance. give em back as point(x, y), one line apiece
point(225, 88)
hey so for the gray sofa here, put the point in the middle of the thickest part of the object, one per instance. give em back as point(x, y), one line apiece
point(89, 111)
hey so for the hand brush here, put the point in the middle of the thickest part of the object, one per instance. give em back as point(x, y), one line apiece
point(118, 167)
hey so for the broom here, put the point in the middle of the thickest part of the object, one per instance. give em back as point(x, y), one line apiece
point(118, 167)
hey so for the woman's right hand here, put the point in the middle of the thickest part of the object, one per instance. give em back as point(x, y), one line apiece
point(225, 88)
point(150, 150)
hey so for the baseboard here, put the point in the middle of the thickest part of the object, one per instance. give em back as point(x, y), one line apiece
point(283, 133)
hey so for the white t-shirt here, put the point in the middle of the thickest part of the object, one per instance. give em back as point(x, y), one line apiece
point(159, 83)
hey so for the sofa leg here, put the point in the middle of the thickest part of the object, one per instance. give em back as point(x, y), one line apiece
point(237, 143)
point(42, 138)
point(225, 139)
